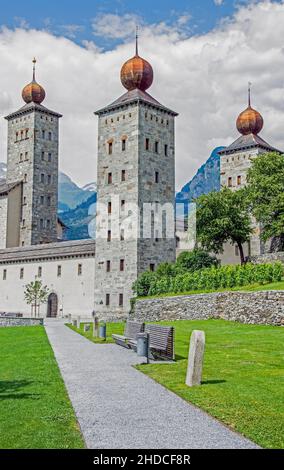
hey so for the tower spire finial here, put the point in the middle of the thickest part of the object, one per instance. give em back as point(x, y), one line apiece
point(249, 93)
point(137, 37)
point(34, 67)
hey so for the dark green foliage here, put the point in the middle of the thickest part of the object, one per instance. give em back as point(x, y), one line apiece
point(196, 259)
point(265, 192)
point(212, 278)
point(223, 217)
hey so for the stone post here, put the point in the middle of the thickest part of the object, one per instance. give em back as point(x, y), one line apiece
point(195, 358)
point(86, 328)
point(78, 322)
point(96, 327)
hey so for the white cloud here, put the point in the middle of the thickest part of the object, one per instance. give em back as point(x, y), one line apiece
point(204, 78)
point(71, 30)
point(114, 26)
point(218, 2)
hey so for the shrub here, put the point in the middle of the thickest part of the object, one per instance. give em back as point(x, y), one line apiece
point(211, 278)
point(195, 260)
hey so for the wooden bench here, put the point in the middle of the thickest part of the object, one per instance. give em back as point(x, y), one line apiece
point(161, 340)
point(132, 328)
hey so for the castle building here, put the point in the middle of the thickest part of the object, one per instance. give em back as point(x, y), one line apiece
point(136, 171)
point(235, 160)
point(29, 199)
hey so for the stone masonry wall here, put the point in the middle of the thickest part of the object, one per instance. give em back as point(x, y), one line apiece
point(263, 308)
point(268, 258)
point(7, 322)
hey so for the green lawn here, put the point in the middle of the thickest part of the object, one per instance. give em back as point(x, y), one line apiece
point(252, 288)
point(35, 411)
point(112, 328)
point(243, 377)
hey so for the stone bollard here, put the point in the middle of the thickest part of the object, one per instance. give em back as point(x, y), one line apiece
point(78, 322)
point(69, 318)
point(96, 327)
point(74, 323)
point(86, 328)
point(195, 358)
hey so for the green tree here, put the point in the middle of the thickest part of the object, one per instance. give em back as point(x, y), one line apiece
point(35, 295)
point(265, 191)
point(223, 217)
point(196, 259)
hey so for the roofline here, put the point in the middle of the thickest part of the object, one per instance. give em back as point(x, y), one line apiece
point(24, 111)
point(113, 107)
point(247, 147)
point(9, 189)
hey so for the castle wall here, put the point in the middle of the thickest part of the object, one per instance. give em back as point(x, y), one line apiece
point(3, 220)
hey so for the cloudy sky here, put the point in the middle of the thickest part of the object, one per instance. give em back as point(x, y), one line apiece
point(203, 54)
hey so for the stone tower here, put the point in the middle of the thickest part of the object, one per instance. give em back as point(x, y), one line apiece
point(136, 190)
point(33, 160)
point(235, 160)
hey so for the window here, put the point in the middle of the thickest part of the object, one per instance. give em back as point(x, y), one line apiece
point(39, 271)
point(42, 200)
point(42, 156)
point(22, 135)
point(121, 300)
point(122, 235)
point(123, 145)
point(48, 179)
point(59, 271)
point(152, 267)
point(156, 177)
point(25, 177)
point(107, 300)
point(50, 136)
point(24, 201)
point(123, 175)
point(42, 178)
point(110, 148)
point(24, 222)
point(4, 274)
point(109, 208)
point(49, 157)
point(230, 182)
point(109, 178)
point(80, 269)
point(109, 236)
point(43, 134)
point(122, 204)
point(239, 180)
point(17, 136)
point(21, 157)
point(166, 150)
point(156, 147)
point(27, 133)
point(48, 201)
point(147, 144)
point(48, 224)
point(41, 224)
point(122, 265)
point(26, 156)
point(108, 265)
point(22, 273)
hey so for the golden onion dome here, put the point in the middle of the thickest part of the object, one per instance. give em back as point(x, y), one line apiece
point(33, 92)
point(137, 73)
point(249, 121)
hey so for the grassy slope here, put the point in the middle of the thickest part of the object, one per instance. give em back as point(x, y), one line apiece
point(251, 288)
point(243, 378)
point(35, 411)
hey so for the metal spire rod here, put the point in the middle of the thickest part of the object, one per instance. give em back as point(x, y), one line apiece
point(249, 92)
point(34, 67)
point(137, 36)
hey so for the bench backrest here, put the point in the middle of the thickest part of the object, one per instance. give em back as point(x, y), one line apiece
point(161, 338)
point(132, 328)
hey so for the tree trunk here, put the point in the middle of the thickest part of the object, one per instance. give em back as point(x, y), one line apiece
point(241, 251)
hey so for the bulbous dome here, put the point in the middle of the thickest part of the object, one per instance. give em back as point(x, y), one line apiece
point(33, 92)
point(249, 121)
point(137, 73)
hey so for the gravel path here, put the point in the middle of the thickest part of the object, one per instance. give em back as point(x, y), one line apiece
point(120, 408)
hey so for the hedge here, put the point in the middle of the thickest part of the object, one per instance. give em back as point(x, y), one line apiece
point(209, 279)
